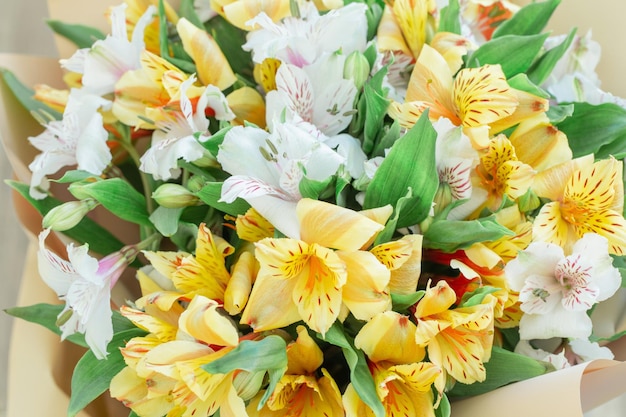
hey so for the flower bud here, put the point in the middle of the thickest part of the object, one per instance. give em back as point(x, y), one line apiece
point(356, 69)
point(174, 196)
point(68, 215)
point(248, 384)
point(196, 183)
point(77, 190)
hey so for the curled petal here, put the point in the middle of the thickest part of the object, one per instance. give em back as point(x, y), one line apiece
point(203, 321)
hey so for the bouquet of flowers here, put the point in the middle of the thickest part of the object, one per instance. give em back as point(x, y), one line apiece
point(360, 208)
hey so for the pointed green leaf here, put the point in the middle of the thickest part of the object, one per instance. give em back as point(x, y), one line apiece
point(450, 20)
point(172, 50)
point(212, 192)
point(515, 54)
point(92, 376)
point(80, 35)
point(409, 167)
point(376, 104)
point(529, 20)
point(187, 11)
point(503, 368)
point(26, 96)
point(402, 302)
point(360, 376)
point(592, 128)
point(444, 409)
point(523, 83)
point(165, 220)
point(452, 235)
point(46, 315)
point(120, 198)
point(266, 355)
point(100, 240)
point(213, 143)
point(541, 69)
point(477, 296)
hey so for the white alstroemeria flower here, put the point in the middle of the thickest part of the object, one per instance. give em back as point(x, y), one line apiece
point(455, 160)
point(85, 284)
point(108, 59)
point(585, 350)
point(175, 139)
point(350, 149)
point(301, 41)
point(556, 291)
point(558, 360)
point(317, 93)
point(574, 78)
point(267, 168)
point(78, 139)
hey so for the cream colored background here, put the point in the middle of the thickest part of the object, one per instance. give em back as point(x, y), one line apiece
point(22, 29)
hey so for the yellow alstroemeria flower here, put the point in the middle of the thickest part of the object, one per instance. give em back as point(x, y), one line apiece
point(539, 143)
point(502, 173)
point(136, 8)
point(475, 98)
point(587, 197)
point(212, 66)
point(458, 340)
point(307, 280)
point(300, 392)
point(248, 106)
point(406, 26)
point(239, 12)
point(203, 274)
point(402, 381)
point(403, 257)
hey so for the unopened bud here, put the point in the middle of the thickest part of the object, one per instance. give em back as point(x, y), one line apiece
point(196, 183)
point(356, 69)
point(248, 384)
point(68, 215)
point(174, 196)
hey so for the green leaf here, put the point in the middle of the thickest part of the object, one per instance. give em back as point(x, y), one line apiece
point(92, 376)
point(444, 409)
point(172, 51)
point(100, 240)
point(26, 96)
point(541, 69)
point(213, 143)
point(515, 54)
point(120, 198)
point(503, 368)
point(409, 167)
point(523, 83)
point(594, 127)
point(529, 20)
point(452, 235)
point(360, 375)
point(402, 302)
point(212, 192)
point(76, 176)
point(376, 104)
point(559, 112)
point(165, 220)
point(266, 355)
point(46, 315)
point(313, 189)
point(187, 11)
point(80, 35)
point(477, 296)
point(450, 20)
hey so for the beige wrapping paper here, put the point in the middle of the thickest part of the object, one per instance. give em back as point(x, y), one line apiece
point(40, 366)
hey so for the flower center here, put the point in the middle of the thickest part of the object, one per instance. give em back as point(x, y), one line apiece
point(571, 274)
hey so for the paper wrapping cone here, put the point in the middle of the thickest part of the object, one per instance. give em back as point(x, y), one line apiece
point(569, 392)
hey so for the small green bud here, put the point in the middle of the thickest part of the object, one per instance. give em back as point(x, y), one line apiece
point(77, 190)
point(68, 215)
point(174, 196)
point(357, 69)
point(196, 183)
